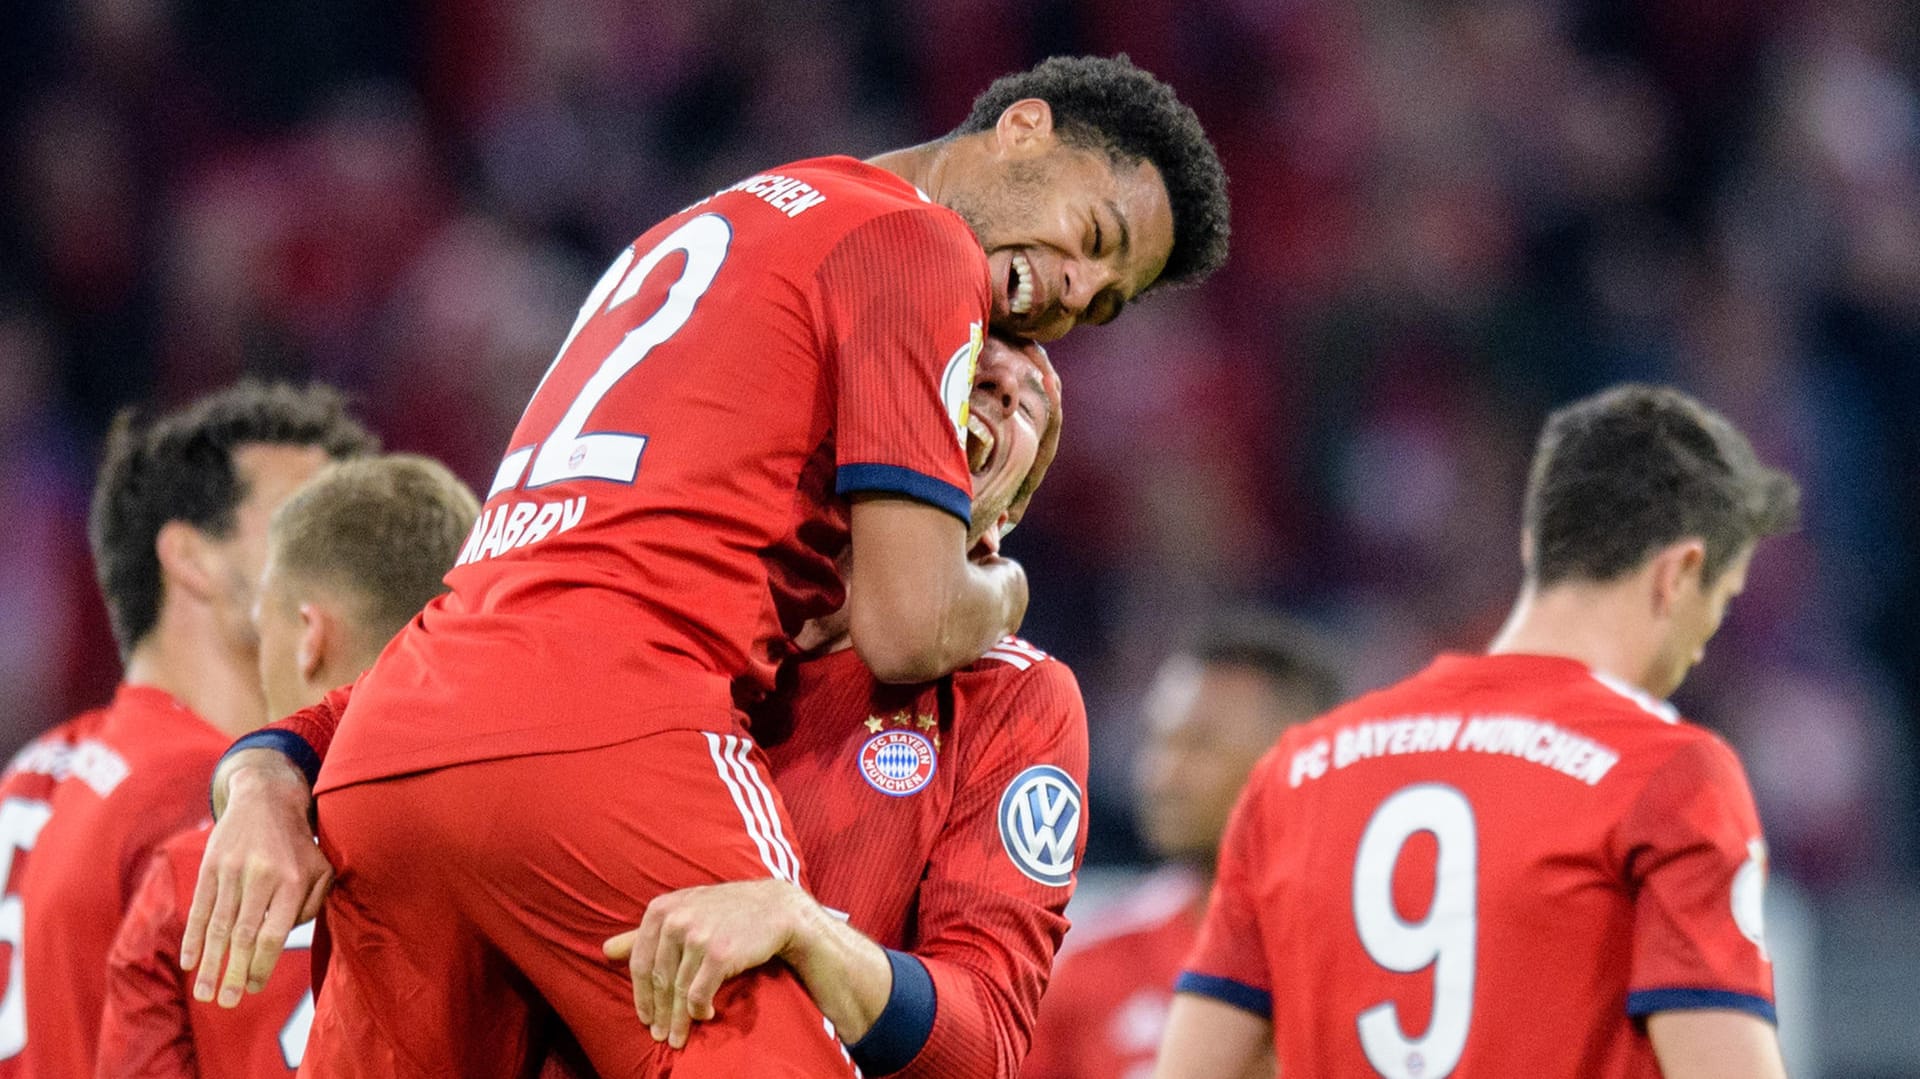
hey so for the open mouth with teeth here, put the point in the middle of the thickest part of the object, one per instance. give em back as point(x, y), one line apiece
point(981, 444)
point(1019, 284)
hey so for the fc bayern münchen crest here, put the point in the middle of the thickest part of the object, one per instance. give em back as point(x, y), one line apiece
point(897, 763)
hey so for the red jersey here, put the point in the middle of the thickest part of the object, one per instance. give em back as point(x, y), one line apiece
point(945, 820)
point(673, 499)
point(1491, 868)
point(1107, 1007)
point(81, 810)
point(152, 1027)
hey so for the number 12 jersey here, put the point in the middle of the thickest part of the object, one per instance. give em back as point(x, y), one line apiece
point(1496, 867)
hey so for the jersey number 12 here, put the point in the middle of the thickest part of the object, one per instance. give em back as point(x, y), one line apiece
point(1443, 940)
point(569, 454)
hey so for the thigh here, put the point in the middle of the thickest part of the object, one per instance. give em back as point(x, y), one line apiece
point(596, 835)
point(411, 989)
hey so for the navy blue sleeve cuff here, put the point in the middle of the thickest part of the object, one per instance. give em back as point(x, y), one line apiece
point(1648, 1001)
point(287, 743)
point(895, 480)
point(1227, 991)
point(904, 1024)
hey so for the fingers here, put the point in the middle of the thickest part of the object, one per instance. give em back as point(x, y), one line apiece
point(693, 958)
point(226, 906)
point(255, 899)
point(283, 913)
point(660, 977)
point(205, 893)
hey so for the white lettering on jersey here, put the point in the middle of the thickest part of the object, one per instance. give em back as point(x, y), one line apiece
point(783, 193)
point(513, 525)
point(91, 762)
point(1535, 741)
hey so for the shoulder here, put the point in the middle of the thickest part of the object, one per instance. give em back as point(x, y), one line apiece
point(1015, 675)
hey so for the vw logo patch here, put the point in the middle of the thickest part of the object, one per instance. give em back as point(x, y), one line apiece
point(897, 763)
point(1039, 821)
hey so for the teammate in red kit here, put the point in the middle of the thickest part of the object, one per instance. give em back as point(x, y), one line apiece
point(792, 356)
point(351, 558)
point(1213, 710)
point(178, 531)
point(941, 823)
point(1523, 862)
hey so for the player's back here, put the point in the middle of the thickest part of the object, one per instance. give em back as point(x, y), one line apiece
point(81, 811)
point(1488, 869)
point(668, 511)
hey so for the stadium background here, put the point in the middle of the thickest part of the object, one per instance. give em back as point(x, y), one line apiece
point(1448, 218)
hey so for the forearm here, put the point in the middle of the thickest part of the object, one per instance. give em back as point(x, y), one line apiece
point(1206, 1039)
point(977, 1031)
point(849, 976)
point(924, 633)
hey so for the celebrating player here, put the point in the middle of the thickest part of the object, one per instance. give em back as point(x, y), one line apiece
point(351, 558)
point(945, 818)
point(1523, 862)
point(776, 372)
point(178, 531)
point(1212, 711)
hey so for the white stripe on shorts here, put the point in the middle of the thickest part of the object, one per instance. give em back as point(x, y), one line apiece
point(721, 753)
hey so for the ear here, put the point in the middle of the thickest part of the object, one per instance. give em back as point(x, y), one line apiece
point(1675, 569)
point(1027, 125)
point(319, 639)
point(186, 559)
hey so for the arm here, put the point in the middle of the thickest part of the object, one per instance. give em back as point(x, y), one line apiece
point(1711, 1044)
point(986, 929)
point(262, 873)
point(918, 608)
point(1207, 1038)
point(144, 1027)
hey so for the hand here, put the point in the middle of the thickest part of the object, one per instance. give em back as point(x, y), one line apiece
point(261, 876)
point(691, 941)
point(1049, 440)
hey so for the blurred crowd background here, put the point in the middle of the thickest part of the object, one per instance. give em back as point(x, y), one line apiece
point(1449, 217)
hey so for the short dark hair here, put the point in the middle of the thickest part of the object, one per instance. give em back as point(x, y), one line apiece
point(383, 530)
point(1623, 473)
point(180, 468)
point(1111, 104)
point(1292, 657)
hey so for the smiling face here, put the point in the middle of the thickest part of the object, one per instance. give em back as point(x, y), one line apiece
point(1070, 234)
point(1008, 416)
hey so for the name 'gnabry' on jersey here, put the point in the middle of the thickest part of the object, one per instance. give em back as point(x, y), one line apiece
point(731, 378)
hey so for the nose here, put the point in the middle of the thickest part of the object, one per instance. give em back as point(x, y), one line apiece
point(998, 385)
point(1081, 281)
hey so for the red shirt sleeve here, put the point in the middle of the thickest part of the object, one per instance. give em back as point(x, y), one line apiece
point(304, 736)
point(144, 1027)
point(992, 909)
point(902, 300)
point(1693, 851)
point(1229, 962)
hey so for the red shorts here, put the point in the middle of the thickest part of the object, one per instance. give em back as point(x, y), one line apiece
point(471, 901)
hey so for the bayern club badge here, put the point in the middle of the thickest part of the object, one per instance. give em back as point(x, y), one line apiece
point(897, 763)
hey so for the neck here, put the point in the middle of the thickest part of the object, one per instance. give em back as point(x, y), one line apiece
point(923, 166)
point(185, 657)
point(1601, 625)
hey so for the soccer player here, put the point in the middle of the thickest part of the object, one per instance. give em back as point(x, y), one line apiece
point(1522, 863)
point(778, 371)
point(351, 557)
point(1214, 708)
point(178, 531)
point(941, 825)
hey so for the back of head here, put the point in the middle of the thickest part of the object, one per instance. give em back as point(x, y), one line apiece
point(1110, 104)
point(1296, 662)
point(1622, 474)
point(378, 533)
point(181, 468)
